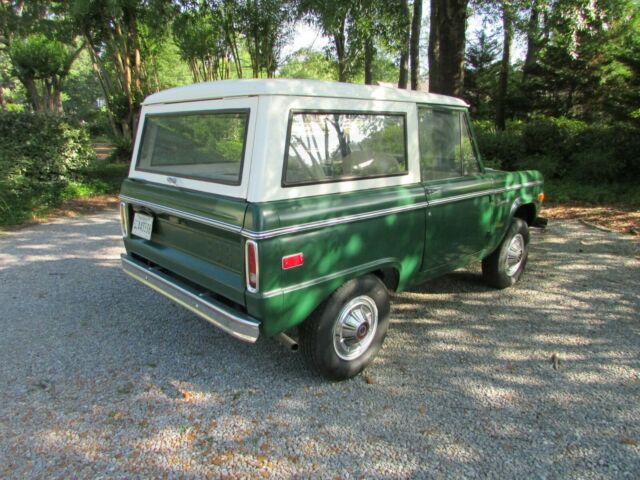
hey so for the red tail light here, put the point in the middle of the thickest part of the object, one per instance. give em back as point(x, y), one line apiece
point(251, 261)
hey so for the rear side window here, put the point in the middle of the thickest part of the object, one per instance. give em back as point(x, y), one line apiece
point(201, 145)
point(335, 146)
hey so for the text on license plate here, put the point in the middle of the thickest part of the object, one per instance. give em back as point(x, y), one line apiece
point(142, 225)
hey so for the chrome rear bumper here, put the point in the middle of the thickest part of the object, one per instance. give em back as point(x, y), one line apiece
point(235, 323)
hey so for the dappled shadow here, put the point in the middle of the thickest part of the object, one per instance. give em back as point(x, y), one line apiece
point(100, 374)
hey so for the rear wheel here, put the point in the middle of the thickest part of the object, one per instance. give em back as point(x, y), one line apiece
point(345, 333)
point(505, 265)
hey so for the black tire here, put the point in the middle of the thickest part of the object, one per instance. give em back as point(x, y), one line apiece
point(330, 357)
point(501, 270)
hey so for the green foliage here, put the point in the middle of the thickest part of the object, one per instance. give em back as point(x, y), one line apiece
point(499, 149)
point(41, 43)
point(352, 25)
point(266, 26)
point(81, 90)
point(580, 161)
point(39, 155)
point(308, 63)
point(481, 72)
point(563, 191)
point(99, 177)
point(171, 71)
point(39, 57)
point(200, 38)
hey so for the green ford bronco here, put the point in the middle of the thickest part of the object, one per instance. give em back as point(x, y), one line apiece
point(292, 208)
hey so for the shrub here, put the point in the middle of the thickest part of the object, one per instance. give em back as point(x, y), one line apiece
point(551, 165)
point(104, 177)
point(39, 155)
point(560, 191)
point(565, 150)
point(499, 149)
point(121, 152)
point(551, 136)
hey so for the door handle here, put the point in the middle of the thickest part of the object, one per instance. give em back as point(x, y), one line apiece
point(432, 190)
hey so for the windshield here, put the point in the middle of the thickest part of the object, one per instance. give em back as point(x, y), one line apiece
point(200, 145)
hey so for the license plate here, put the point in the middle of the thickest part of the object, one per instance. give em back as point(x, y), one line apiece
point(142, 225)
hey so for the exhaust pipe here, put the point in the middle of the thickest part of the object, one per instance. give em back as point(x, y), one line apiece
point(287, 341)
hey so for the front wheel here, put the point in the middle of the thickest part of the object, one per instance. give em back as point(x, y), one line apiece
point(346, 332)
point(505, 265)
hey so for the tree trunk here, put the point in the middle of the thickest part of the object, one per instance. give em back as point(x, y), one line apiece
point(137, 68)
point(255, 55)
point(433, 52)
point(57, 86)
point(369, 53)
point(503, 83)
point(414, 44)
point(122, 60)
point(105, 84)
point(236, 55)
point(231, 35)
point(403, 77)
point(446, 46)
point(339, 40)
point(133, 50)
point(32, 93)
point(98, 68)
point(47, 102)
point(533, 38)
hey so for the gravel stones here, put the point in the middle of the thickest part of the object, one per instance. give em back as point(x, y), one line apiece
point(102, 377)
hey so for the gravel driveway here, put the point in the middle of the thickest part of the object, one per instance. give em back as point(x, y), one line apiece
point(100, 376)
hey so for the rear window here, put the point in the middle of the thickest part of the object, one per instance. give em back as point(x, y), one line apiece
point(335, 146)
point(200, 145)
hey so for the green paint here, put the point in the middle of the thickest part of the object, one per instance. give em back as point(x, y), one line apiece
point(419, 244)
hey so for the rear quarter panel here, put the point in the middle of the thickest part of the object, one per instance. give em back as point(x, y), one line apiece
point(333, 253)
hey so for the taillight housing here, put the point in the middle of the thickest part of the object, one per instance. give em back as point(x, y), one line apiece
point(124, 219)
point(251, 265)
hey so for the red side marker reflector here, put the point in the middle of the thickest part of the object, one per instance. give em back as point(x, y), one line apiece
point(292, 261)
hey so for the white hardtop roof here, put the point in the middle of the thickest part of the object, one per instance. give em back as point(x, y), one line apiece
point(314, 88)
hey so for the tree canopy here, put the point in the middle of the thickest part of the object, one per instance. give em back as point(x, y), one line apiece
point(574, 58)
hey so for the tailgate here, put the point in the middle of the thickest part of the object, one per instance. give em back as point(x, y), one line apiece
point(195, 235)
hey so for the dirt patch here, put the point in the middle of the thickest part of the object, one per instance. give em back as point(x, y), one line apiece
point(86, 205)
point(71, 208)
point(615, 218)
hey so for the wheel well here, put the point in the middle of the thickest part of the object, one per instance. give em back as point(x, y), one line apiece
point(389, 276)
point(526, 212)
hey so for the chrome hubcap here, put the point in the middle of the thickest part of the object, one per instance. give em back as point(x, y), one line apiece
point(515, 254)
point(355, 327)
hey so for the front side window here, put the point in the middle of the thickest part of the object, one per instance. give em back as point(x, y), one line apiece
point(470, 165)
point(335, 146)
point(446, 148)
point(439, 132)
point(205, 146)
